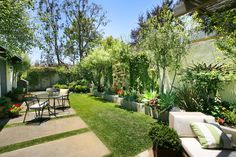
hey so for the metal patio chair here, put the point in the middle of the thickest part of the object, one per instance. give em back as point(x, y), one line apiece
point(33, 103)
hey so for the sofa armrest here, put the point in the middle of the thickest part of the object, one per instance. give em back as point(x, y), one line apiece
point(231, 131)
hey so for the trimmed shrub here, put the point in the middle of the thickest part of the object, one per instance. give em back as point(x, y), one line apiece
point(165, 138)
point(81, 89)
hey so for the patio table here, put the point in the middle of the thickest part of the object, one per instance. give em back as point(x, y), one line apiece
point(54, 98)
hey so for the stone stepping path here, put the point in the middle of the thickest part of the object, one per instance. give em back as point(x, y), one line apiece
point(83, 145)
point(23, 133)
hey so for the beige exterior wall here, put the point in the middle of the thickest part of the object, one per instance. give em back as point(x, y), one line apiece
point(206, 52)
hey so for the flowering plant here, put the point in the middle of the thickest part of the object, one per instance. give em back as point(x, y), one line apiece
point(120, 92)
point(14, 110)
point(153, 102)
point(220, 121)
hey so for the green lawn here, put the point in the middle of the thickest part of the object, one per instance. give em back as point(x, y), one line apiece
point(124, 133)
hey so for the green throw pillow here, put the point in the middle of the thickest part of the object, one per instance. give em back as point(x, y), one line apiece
point(210, 136)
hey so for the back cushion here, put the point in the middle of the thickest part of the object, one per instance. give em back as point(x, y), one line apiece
point(181, 121)
point(64, 91)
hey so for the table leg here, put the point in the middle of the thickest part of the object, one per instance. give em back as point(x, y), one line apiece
point(54, 106)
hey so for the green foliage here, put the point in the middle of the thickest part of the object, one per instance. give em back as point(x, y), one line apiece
point(60, 86)
point(224, 24)
point(49, 12)
point(230, 118)
point(83, 32)
point(21, 67)
point(139, 76)
point(5, 104)
point(79, 86)
point(167, 101)
point(149, 95)
point(167, 40)
point(35, 74)
point(206, 79)
point(131, 95)
point(16, 32)
point(188, 99)
point(165, 138)
point(81, 89)
point(67, 75)
point(201, 85)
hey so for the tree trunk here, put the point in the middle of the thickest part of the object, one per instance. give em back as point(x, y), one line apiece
point(162, 86)
point(173, 81)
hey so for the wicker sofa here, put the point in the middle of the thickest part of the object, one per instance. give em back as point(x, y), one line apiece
point(180, 121)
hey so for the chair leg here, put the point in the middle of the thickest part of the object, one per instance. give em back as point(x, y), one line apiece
point(49, 111)
point(25, 116)
point(68, 102)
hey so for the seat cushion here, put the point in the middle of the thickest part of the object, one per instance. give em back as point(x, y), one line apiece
point(193, 149)
point(38, 105)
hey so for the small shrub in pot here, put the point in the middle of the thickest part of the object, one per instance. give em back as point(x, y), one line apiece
point(166, 142)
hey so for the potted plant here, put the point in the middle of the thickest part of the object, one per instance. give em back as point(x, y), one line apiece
point(167, 102)
point(166, 142)
point(150, 99)
point(5, 104)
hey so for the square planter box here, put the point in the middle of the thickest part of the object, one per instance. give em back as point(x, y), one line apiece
point(141, 108)
point(119, 101)
point(151, 111)
point(112, 98)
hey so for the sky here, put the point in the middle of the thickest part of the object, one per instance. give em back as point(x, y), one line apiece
point(122, 15)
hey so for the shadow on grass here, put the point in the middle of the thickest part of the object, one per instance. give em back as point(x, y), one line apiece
point(99, 99)
point(116, 105)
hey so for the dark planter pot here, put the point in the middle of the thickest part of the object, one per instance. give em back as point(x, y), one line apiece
point(164, 153)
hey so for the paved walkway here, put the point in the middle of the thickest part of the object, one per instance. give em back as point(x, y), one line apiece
point(23, 133)
point(85, 144)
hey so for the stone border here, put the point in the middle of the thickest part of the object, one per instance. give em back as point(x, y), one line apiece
point(129, 105)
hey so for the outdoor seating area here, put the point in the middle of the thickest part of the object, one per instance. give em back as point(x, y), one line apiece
point(180, 121)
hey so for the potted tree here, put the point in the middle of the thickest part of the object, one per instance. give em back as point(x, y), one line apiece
point(166, 142)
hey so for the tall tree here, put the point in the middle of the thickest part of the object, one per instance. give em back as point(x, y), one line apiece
point(49, 12)
point(16, 31)
point(84, 27)
point(136, 33)
point(166, 38)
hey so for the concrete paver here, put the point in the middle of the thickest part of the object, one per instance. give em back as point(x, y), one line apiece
point(28, 132)
point(83, 145)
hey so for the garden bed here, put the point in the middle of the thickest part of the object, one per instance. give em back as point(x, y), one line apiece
point(129, 105)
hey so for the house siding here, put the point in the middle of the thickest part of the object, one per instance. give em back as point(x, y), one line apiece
point(3, 78)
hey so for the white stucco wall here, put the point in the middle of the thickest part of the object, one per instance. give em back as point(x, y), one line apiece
point(207, 52)
point(9, 74)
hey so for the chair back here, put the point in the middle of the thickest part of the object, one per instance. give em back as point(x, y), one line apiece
point(64, 92)
point(30, 100)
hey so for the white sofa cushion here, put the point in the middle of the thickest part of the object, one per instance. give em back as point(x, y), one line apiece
point(193, 149)
point(181, 121)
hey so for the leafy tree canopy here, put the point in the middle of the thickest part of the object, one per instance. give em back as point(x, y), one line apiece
point(16, 32)
point(223, 22)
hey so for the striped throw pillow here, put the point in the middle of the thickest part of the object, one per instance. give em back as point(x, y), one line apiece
point(210, 136)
